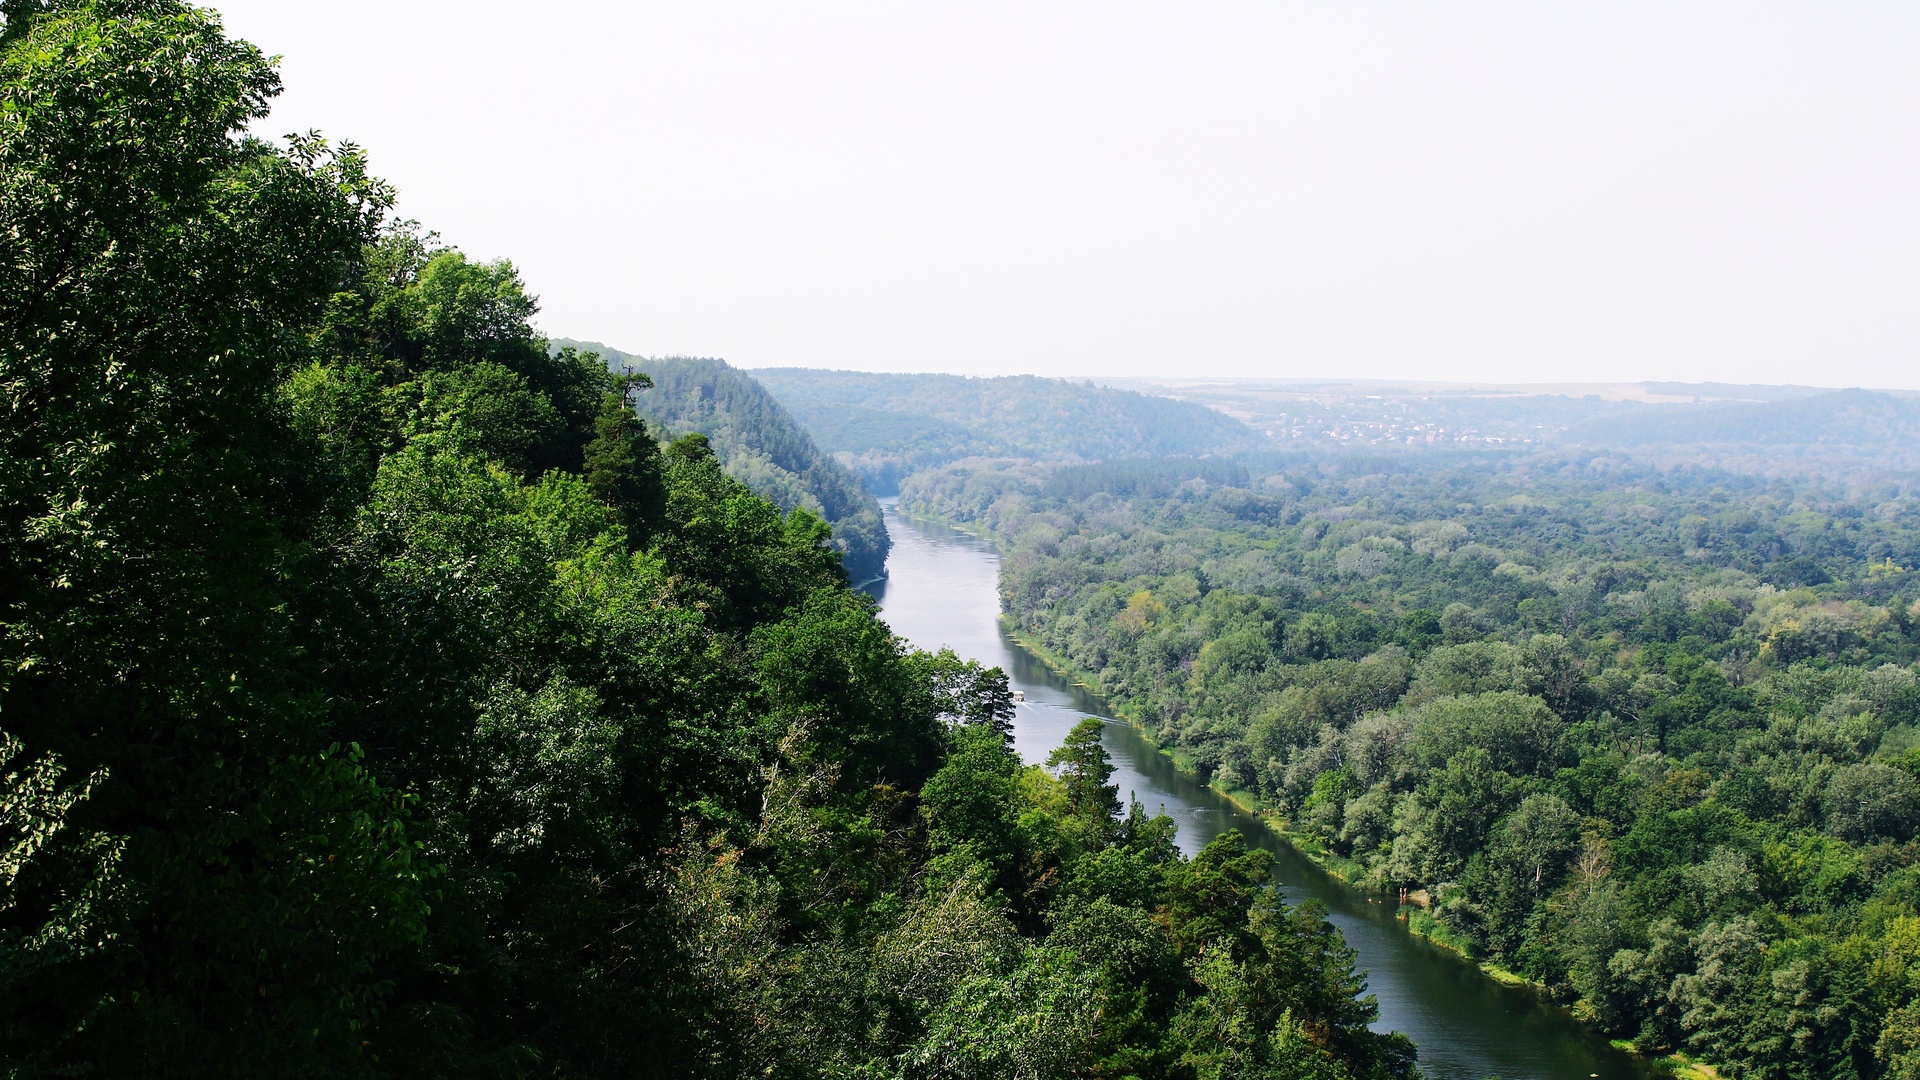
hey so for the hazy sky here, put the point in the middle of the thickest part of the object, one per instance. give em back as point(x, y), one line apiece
point(1524, 192)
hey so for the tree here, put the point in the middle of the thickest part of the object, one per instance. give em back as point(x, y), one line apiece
point(1899, 1045)
point(971, 802)
point(1211, 897)
point(967, 694)
point(42, 855)
point(1872, 802)
point(621, 463)
point(1543, 833)
point(1085, 769)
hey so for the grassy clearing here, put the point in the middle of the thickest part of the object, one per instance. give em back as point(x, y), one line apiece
point(1676, 1065)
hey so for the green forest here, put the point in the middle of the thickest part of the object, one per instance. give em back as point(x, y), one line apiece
point(1648, 738)
point(758, 443)
point(381, 696)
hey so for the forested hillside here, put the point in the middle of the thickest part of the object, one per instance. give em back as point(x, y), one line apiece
point(1649, 738)
point(1800, 431)
point(381, 698)
point(758, 443)
point(888, 426)
point(1873, 425)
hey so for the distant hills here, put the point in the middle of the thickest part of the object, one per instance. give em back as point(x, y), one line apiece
point(807, 437)
point(1747, 427)
point(1730, 392)
point(759, 443)
point(1867, 420)
point(886, 426)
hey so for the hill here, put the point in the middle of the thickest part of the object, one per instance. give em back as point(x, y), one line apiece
point(760, 444)
point(1865, 420)
point(886, 426)
point(1766, 430)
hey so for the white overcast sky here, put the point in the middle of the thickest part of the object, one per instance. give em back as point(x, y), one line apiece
point(1499, 191)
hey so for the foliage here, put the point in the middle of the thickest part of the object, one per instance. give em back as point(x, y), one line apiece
point(759, 444)
point(1646, 737)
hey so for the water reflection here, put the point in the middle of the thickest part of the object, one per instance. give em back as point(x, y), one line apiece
point(942, 589)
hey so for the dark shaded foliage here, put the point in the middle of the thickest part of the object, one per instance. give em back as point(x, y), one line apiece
point(758, 443)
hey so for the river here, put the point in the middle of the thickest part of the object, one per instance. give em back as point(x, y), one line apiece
point(942, 589)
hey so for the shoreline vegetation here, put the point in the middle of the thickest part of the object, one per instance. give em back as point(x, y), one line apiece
point(1346, 871)
point(1646, 735)
point(1414, 914)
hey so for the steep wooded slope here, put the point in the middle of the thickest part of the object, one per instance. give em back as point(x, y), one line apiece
point(759, 443)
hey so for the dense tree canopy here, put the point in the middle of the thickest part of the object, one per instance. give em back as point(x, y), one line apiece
point(1649, 738)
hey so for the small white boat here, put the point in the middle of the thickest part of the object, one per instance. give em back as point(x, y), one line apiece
point(1019, 695)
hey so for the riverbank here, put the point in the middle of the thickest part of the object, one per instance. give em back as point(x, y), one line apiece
point(1469, 1022)
point(1414, 914)
point(1347, 870)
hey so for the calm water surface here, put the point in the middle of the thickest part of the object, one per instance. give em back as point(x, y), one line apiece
point(942, 589)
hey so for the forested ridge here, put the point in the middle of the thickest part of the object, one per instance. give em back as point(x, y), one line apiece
point(888, 426)
point(1646, 737)
point(379, 696)
point(1807, 432)
point(758, 443)
point(1872, 425)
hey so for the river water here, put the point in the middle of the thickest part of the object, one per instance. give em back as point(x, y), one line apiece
point(942, 589)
